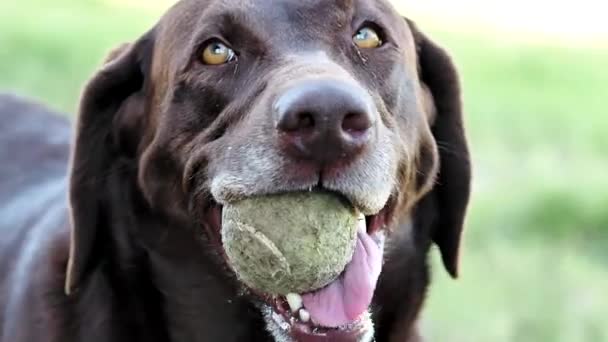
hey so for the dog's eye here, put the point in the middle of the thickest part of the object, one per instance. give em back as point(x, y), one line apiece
point(216, 53)
point(367, 38)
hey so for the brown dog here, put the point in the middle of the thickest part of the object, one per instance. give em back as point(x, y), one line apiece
point(222, 100)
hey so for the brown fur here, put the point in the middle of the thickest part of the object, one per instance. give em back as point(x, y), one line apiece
point(161, 138)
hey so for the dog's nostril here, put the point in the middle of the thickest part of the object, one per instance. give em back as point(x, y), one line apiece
point(296, 122)
point(306, 121)
point(356, 123)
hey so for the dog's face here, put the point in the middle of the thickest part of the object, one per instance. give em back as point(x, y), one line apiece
point(224, 100)
point(237, 123)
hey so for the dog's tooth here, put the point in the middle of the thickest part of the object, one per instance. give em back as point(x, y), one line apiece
point(295, 301)
point(362, 224)
point(361, 217)
point(304, 315)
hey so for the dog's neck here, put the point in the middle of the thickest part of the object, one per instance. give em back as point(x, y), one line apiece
point(197, 303)
point(169, 280)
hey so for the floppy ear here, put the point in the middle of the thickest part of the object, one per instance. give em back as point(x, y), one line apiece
point(111, 99)
point(452, 188)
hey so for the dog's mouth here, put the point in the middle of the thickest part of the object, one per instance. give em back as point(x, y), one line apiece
point(340, 310)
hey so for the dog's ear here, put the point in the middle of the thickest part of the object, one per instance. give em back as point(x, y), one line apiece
point(112, 99)
point(452, 188)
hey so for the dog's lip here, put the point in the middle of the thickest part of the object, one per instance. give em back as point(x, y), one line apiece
point(213, 223)
point(302, 333)
point(309, 332)
point(383, 219)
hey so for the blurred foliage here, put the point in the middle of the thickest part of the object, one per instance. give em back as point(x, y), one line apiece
point(534, 266)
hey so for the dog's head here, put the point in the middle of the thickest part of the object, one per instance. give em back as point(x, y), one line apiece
point(223, 100)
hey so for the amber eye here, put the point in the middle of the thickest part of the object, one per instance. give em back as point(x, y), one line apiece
point(216, 53)
point(367, 38)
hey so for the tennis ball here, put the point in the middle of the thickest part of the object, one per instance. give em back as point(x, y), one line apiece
point(289, 243)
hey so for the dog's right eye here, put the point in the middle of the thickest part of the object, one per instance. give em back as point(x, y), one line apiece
point(367, 37)
point(217, 53)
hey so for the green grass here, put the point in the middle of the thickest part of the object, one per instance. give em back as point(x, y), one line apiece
point(539, 133)
point(515, 290)
point(534, 266)
point(49, 49)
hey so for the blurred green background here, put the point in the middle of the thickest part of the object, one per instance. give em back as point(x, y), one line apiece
point(535, 259)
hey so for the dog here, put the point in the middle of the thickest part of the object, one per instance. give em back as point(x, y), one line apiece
point(110, 231)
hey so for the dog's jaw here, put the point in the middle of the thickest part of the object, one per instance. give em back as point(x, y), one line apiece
point(283, 319)
point(278, 328)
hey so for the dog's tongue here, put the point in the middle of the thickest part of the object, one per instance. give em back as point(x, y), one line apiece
point(346, 298)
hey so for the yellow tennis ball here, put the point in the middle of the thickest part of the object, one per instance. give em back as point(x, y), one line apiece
point(289, 243)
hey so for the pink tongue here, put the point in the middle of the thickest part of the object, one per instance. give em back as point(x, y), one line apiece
point(346, 298)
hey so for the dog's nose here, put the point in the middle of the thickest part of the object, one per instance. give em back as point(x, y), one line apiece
point(324, 120)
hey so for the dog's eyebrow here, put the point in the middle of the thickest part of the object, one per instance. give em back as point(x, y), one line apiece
point(231, 23)
point(346, 4)
point(237, 27)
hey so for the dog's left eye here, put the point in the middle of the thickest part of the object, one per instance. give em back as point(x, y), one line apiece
point(217, 53)
point(367, 38)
